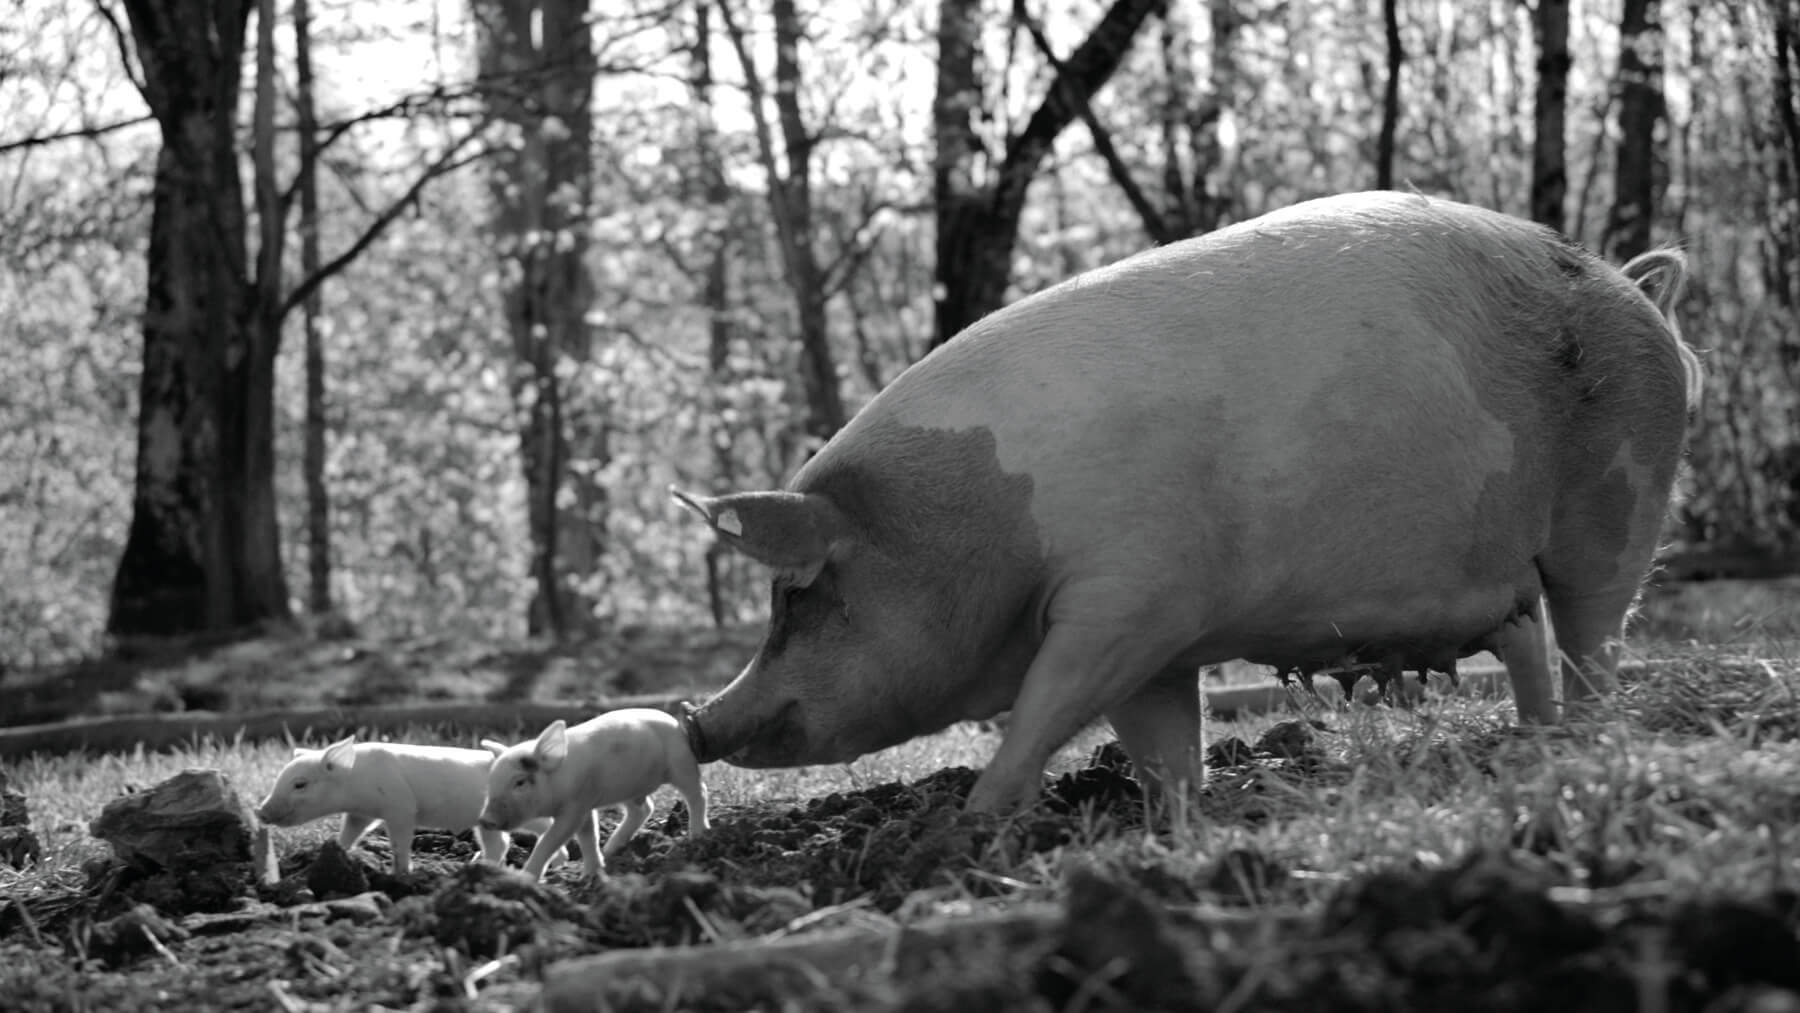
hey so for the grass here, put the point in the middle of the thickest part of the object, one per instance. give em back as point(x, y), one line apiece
point(1690, 779)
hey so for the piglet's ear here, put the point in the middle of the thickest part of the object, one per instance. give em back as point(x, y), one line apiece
point(793, 532)
point(552, 745)
point(341, 755)
point(497, 748)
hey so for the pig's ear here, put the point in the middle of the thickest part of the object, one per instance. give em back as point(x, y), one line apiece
point(790, 531)
point(552, 745)
point(341, 755)
point(497, 748)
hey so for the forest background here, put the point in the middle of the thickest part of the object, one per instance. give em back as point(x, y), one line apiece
point(409, 313)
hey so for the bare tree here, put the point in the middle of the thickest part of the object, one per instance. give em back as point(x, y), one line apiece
point(318, 500)
point(716, 192)
point(791, 206)
point(537, 69)
point(1640, 161)
point(1549, 164)
point(1390, 100)
point(978, 214)
point(203, 553)
point(1785, 213)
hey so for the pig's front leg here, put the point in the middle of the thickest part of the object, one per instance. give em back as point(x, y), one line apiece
point(567, 825)
point(493, 846)
point(353, 829)
point(587, 834)
point(685, 776)
point(1080, 670)
point(636, 812)
point(400, 835)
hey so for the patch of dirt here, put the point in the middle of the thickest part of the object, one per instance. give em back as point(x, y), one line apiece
point(1132, 933)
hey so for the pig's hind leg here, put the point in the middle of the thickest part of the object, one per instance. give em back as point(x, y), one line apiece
point(353, 829)
point(636, 812)
point(1160, 727)
point(400, 835)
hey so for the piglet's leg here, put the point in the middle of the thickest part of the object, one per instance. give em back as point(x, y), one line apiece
point(493, 846)
point(567, 825)
point(684, 773)
point(400, 834)
point(354, 827)
point(636, 812)
point(593, 862)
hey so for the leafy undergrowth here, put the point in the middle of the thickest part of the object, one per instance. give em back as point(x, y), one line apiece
point(1368, 859)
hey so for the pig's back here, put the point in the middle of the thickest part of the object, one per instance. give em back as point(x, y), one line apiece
point(1322, 378)
point(447, 783)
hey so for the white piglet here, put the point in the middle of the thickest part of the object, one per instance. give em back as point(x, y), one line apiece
point(566, 773)
point(401, 785)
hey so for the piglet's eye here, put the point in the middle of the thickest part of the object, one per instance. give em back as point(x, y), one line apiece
point(299, 785)
point(522, 780)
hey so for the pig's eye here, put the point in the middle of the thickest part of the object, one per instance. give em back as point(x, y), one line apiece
point(521, 781)
point(299, 785)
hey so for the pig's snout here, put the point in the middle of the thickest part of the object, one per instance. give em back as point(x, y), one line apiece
point(720, 731)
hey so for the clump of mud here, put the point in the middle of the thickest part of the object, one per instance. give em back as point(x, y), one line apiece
point(884, 842)
point(484, 911)
point(1484, 935)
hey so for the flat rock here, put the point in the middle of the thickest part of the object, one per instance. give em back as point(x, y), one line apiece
point(195, 817)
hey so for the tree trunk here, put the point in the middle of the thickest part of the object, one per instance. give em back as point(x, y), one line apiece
point(790, 204)
point(1627, 231)
point(1784, 226)
point(824, 398)
point(203, 552)
point(1390, 101)
point(1192, 207)
point(716, 295)
point(318, 502)
point(537, 67)
point(1549, 164)
point(978, 222)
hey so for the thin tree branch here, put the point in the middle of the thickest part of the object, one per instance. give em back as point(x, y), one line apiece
point(1115, 166)
point(837, 275)
point(101, 130)
point(445, 163)
point(765, 138)
point(123, 38)
point(1085, 72)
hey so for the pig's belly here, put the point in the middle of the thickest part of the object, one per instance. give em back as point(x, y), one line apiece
point(1426, 629)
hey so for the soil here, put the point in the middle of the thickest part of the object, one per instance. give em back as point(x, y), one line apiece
point(1137, 933)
